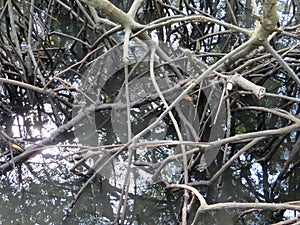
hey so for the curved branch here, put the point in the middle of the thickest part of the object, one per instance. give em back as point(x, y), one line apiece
point(114, 13)
point(192, 189)
point(239, 205)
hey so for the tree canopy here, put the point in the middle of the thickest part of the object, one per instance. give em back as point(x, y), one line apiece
point(149, 112)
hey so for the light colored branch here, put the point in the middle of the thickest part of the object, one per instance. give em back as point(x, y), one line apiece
point(242, 137)
point(234, 157)
point(232, 14)
point(206, 73)
point(238, 206)
point(279, 96)
point(177, 19)
point(234, 139)
point(126, 185)
point(85, 13)
point(114, 13)
point(245, 137)
point(75, 88)
point(27, 86)
point(192, 189)
point(239, 80)
point(176, 126)
point(100, 20)
point(126, 61)
point(278, 112)
point(134, 7)
point(29, 38)
point(251, 60)
point(73, 65)
point(286, 67)
point(70, 10)
point(125, 188)
point(177, 129)
point(70, 37)
point(172, 158)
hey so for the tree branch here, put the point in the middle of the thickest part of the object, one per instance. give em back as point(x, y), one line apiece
point(238, 205)
point(114, 13)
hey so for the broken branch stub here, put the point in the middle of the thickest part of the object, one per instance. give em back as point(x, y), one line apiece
point(239, 80)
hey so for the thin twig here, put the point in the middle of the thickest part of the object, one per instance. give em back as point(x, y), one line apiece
point(286, 67)
point(176, 126)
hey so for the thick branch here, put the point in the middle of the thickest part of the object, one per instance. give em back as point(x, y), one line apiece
point(258, 91)
point(114, 13)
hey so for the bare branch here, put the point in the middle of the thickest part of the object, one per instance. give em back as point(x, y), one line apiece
point(237, 205)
